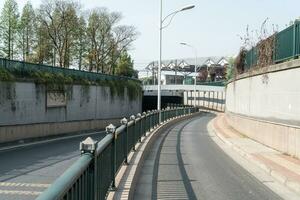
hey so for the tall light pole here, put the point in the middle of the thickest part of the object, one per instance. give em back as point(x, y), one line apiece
point(161, 27)
point(195, 70)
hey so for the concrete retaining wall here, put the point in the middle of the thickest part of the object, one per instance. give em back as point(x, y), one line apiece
point(214, 100)
point(26, 111)
point(281, 137)
point(265, 106)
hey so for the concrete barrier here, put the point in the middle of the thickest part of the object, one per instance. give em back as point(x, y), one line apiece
point(29, 110)
point(264, 105)
point(28, 131)
point(282, 137)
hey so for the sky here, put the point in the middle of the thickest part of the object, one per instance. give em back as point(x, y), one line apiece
point(212, 26)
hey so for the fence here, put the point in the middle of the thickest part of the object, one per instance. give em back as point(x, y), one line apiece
point(24, 69)
point(93, 174)
point(212, 83)
point(287, 46)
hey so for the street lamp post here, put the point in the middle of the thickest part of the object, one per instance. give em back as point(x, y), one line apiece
point(161, 27)
point(195, 70)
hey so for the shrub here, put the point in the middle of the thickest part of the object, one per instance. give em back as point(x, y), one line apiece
point(5, 75)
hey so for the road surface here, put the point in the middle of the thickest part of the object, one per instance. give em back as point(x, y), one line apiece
point(26, 172)
point(185, 163)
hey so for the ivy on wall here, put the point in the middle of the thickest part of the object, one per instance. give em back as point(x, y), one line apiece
point(5, 75)
point(59, 82)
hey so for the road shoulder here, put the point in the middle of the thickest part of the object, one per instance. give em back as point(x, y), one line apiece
point(277, 171)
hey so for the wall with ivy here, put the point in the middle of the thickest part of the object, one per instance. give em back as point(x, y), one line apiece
point(26, 102)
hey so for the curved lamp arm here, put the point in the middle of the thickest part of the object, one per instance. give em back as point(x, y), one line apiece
point(172, 15)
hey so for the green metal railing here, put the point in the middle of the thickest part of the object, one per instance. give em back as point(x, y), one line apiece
point(24, 69)
point(92, 176)
point(251, 58)
point(212, 83)
point(287, 46)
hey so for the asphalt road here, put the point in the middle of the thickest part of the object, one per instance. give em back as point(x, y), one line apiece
point(185, 163)
point(26, 172)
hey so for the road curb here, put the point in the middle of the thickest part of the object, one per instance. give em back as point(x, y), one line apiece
point(295, 186)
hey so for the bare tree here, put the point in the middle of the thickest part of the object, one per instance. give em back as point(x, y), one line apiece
point(60, 19)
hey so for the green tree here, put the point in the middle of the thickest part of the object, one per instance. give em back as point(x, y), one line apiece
point(99, 32)
point(230, 70)
point(125, 66)
point(56, 33)
point(27, 27)
point(107, 39)
point(9, 27)
point(44, 50)
point(60, 19)
point(121, 41)
point(81, 42)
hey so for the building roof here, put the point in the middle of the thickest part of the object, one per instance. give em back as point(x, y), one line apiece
point(188, 64)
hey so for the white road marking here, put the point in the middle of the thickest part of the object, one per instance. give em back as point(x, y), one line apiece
point(38, 185)
point(20, 192)
point(48, 141)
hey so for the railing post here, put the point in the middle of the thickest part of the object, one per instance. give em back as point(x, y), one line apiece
point(148, 120)
point(139, 116)
point(132, 117)
point(111, 129)
point(144, 123)
point(294, 40)
point(153, 119)
point(124, 122)
point(89, 146)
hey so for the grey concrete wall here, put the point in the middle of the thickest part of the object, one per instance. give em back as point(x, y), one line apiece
point(214, 100)
point(282, 137)
point(273, 95)
point(265, 106)
point(24, 104)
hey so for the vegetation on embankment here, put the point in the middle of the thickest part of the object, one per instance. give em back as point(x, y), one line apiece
point(57, 81)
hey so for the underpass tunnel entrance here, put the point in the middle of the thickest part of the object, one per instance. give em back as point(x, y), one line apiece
point(150, 102)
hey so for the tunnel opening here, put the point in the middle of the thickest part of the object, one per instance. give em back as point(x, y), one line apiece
point(150, 102)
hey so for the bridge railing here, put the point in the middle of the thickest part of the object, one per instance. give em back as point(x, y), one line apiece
point(93, 174)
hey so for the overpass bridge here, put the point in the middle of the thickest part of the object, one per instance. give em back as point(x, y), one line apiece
point(208, 96)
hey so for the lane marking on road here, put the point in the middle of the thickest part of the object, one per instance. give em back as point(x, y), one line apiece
point(9, 148)
point(38, 185)
point(19, 192)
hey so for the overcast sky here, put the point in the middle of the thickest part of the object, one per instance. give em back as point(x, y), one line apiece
point(212, 26)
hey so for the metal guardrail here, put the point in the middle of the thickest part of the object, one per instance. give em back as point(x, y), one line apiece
point(206, 83)
point(213, 83)
point(93, 174)
point(24, 69)
point(287, 46)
